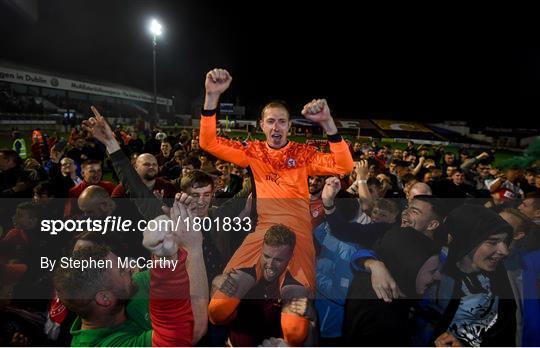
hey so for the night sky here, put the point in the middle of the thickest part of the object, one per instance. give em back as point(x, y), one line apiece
point(378, 63)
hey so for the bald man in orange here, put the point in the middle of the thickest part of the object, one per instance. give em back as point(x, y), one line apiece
point(280, 169)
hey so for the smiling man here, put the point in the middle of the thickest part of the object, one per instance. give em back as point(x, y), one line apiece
point(92, 175)
point(200, 187)
point(280, 169)
point(422, 215)
point(146, 166)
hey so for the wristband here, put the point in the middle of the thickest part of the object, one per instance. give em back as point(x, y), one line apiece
point(329, 208)
point(334, 138)
point(361, 181)
point(209, 112)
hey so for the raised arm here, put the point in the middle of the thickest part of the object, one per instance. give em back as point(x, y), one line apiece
point(191, 241)
point(217, 82)
point(365, 235)
point(419, 166)
point(362, 174)
point(147, 204)
point(170, 304)
point(339, 160)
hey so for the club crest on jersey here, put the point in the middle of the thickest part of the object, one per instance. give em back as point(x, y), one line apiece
point(291, 163)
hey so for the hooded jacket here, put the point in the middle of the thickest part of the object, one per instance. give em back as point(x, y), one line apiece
point(373, 322)
point(478, 308)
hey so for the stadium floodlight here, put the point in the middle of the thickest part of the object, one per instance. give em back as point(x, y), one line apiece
point(156, 30)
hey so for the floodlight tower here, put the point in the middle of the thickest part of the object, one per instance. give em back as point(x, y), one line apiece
point(155, 29)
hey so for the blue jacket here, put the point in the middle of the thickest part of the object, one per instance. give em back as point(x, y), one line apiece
point(531, 301)
point(334, 276)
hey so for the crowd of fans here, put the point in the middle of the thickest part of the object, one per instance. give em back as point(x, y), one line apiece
point(400, 222)
point(11, 102)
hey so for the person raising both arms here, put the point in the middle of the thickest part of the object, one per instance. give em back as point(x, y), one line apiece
point(281, 169)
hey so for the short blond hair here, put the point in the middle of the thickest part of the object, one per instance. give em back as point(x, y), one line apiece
point(280, 104)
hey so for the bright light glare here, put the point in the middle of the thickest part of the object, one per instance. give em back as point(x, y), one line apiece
point(155, 27)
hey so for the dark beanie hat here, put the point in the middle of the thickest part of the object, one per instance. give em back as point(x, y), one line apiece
point(470, 225)
point(404, 251)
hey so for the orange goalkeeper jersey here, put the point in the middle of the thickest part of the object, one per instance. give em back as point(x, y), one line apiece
point(281, 186)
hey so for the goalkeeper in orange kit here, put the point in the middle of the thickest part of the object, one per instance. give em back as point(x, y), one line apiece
point(280, 169)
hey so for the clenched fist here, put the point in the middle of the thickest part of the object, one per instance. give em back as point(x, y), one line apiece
point(317, 110)
point(161, 241)
point(217, 81)
point(330, 190)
